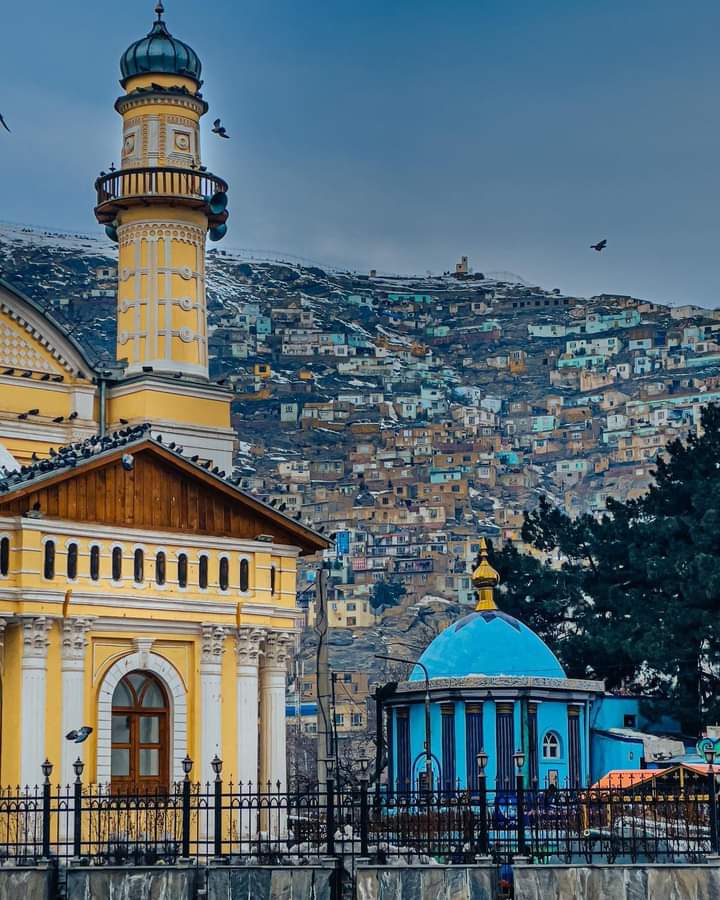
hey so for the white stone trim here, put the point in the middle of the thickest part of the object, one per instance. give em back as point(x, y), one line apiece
point(89, 532)
point(166, 672)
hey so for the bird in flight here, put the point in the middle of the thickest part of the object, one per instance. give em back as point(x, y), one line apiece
point(601, 245)
point(220, 130)
point(82, 734)
point(3, 123)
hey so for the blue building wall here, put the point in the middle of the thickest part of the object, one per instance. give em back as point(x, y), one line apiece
point(551, 716)
point(610, 751)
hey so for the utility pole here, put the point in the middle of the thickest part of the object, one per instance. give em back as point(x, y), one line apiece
point(325, 744)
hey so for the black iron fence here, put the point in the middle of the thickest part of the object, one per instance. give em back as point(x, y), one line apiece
point(270, 826)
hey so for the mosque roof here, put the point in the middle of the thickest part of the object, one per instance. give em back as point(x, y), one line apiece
point(160, 53)
point(487, 641)
point(117, 446)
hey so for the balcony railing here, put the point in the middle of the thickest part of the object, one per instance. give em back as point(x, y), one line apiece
point(143, 186)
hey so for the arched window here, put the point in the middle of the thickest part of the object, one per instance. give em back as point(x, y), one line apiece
point(272, 580)
point(160, 568)
point(4, 556)
point(140, 749)
point(117, 563)
point(244, 575)
point(95, 562)
point(182, 570)
point(49, 560)
point(139, 566)
point(224, 574)
point(203, 572)
point(72, 561)
point(551, 745)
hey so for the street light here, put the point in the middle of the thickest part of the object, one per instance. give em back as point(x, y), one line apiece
point(47, 768)
point(709, 753)
point(428, 737)
point(364, 774)
point(482, 761)
point(187, 765)
point(216, 764)
point(78, 767)
point(519, 758)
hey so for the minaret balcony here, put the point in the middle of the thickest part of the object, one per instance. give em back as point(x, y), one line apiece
point(164, 185)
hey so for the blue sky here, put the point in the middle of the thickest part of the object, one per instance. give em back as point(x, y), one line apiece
point(398, 134)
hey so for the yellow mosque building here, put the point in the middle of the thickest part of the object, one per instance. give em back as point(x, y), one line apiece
point(142, 593)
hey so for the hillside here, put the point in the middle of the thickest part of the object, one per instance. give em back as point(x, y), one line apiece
point(409, 414)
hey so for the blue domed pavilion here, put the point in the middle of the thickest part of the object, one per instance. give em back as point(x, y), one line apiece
point(492, 686)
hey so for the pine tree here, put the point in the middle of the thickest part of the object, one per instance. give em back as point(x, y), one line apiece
point(636, 601)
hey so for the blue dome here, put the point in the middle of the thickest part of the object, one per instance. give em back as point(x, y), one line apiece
point(160, 53)
point(488, 642)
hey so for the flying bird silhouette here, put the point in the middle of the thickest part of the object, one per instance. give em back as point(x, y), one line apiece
point(79, 735)
point(3, 123)
point(220, 129)
point(601, 245)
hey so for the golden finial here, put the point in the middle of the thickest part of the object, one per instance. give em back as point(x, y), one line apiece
point(485, 579)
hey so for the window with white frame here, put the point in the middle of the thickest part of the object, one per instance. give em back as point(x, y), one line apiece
point(551, 745)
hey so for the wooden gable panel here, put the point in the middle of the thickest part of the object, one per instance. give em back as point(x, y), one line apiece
point(155, 495)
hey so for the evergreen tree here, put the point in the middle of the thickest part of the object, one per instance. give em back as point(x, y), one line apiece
point(636, 600)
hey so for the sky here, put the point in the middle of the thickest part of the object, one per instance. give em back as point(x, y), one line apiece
point(400, 134)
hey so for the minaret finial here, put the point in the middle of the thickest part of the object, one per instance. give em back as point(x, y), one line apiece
point(485, 579)
point(159, 9)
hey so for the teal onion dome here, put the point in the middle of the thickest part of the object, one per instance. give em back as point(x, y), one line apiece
point(160, 53)
point(488, 642)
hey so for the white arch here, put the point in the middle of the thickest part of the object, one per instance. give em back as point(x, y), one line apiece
point(148, 662)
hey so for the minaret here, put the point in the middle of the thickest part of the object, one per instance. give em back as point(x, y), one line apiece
point(159, 206)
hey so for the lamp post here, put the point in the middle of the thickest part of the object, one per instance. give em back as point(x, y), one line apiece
point(519, 758)
point(216, 764)
point(364, 824)
point(710, 754)
point(482, 761)
point(330, 806)
point(187, 765)
point(428, 736)
point(78, 767)
point(47, 768)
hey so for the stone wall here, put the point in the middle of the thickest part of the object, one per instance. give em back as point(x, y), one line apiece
point(639, 882)
point(132, 883)
point(432, 882)
point(269, 883)
point(29, 884)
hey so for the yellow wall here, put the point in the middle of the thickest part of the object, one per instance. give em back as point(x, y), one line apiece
point(151, 404)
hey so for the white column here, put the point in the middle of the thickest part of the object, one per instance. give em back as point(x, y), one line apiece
point(213, 647)
point(248, 654)
point(74, 642)
point(273, 678)
point(33, 699)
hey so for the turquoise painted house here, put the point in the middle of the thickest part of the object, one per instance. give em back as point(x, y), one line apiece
point(495, 688)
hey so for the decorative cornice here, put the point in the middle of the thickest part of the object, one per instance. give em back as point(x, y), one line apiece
point(189, 234)
point(182, 101)
point(74, 637)
point(503, 681)
point(112, 533)
point(247, 645)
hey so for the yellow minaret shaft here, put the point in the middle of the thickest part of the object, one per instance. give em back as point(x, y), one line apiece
point(159, 206)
